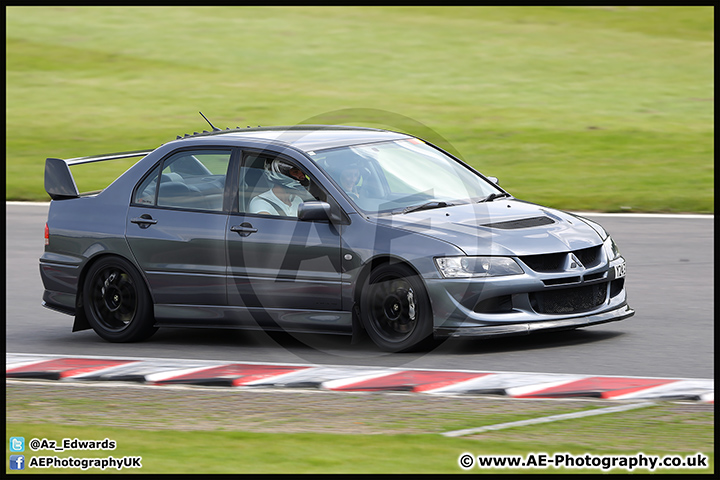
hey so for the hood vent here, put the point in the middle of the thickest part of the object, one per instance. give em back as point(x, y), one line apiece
point(522, 223)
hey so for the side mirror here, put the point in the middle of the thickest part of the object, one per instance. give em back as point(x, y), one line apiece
point(313, 211)
point(494, 180)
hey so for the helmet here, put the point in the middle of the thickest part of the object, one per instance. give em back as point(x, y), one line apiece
point(278, 172)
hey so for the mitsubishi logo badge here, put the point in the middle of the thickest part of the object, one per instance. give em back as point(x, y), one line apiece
point(575, 263)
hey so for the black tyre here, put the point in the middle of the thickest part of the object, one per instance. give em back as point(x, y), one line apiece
point(395, 309)
point(116, 302)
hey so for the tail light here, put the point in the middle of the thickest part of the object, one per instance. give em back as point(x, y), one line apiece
point(47, 235)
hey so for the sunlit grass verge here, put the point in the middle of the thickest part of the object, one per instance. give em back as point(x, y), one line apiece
point(170, 451)
point(608, 108)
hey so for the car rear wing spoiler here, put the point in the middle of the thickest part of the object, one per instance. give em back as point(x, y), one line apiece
point(59, 182)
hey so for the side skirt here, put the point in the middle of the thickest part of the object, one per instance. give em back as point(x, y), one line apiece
point(316, 321)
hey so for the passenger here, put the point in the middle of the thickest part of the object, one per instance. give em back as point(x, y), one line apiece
point(287, 193)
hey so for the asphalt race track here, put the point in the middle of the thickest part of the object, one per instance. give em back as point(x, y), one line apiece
point(670, 285)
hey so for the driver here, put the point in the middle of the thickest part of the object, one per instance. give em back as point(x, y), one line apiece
point(288, 190)
point(347, 172)
point(349, 178)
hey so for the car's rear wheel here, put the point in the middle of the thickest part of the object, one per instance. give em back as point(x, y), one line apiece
point(116, 301)
point(395, 309)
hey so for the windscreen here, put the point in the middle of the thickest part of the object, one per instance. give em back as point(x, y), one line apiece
point(395, 176)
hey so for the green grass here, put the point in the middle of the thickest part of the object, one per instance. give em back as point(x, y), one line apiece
point(597, 108)
point(295, 431)
point(168, 451)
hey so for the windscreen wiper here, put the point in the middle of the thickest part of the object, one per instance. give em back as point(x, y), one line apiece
point(427, 206)
point(493, 196)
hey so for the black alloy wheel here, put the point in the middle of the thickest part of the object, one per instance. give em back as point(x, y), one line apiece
point(116, 301)
point(395, 309)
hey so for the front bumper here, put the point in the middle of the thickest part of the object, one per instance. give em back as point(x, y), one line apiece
point(526, 328)
point(533, 301)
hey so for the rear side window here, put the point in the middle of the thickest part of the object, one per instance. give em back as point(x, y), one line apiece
point(192, 180)
point(145, 193)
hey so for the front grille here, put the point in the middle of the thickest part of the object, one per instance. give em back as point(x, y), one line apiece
point(595, 276)
point(550, 262)
point(589, 257)
point(569, 300)
point(561, 281)
point(555, 262)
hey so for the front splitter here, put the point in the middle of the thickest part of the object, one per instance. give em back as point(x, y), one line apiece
point(530, 327)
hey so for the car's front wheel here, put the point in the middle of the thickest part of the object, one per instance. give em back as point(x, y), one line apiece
point(116, 302)
point(395, 309)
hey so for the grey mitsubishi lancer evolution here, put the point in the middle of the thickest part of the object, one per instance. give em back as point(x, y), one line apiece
point(326, 229)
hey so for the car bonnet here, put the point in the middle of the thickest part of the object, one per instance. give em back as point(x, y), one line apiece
point(502, 227)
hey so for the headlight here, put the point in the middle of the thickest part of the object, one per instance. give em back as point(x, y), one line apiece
point(467, 267)
point(611, 250)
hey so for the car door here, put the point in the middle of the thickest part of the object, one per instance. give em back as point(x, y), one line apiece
point(282, 272)
point(176, 227)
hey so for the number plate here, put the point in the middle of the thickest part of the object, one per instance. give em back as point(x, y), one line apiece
point(620, 270)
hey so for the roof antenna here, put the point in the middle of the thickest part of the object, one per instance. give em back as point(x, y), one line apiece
point(215, 129)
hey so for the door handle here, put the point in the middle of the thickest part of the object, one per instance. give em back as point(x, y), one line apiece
point(144, 220)
point(244, 229)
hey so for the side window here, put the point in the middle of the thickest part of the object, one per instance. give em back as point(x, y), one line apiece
point(145, 192)
point(275, 186)
point(188, 179)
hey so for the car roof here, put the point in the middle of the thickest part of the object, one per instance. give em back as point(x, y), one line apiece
point(309, 137)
